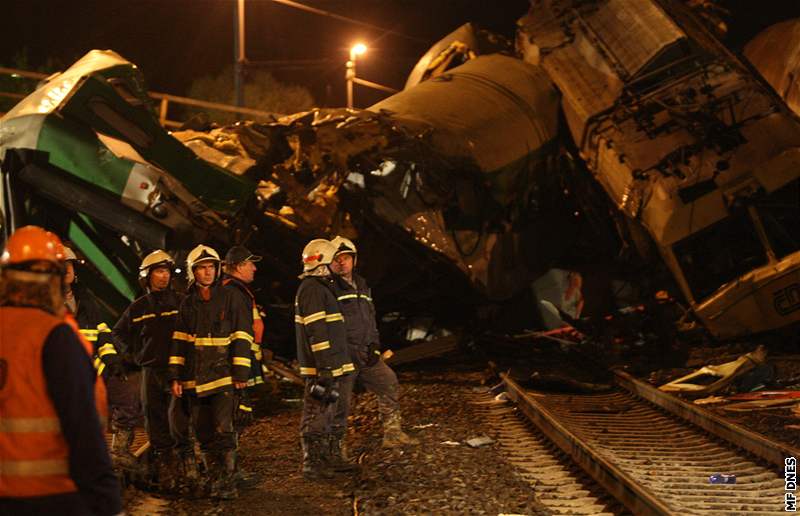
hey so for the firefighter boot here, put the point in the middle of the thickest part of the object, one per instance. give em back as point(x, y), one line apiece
point(393, 435)
point(224, 486)
point(336, 455)
point(121, 448)
point(167, 471)
point(188, 476)
point(315, 464)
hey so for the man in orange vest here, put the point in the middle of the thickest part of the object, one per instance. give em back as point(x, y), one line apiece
point(53, 457)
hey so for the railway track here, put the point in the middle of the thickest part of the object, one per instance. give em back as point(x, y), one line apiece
point(651, 451)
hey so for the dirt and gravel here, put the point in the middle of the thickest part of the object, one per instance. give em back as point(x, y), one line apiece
point(443, 475)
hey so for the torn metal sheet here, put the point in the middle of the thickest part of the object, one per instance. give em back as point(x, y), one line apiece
point(716, 377)
point(775, 52)
point(423, 350)
point(688, 144)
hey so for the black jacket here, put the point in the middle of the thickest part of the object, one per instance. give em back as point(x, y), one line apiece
point(143, 334)
point(211, 342)
point(319, 329)
point(240, 288)
point(95, 330)
point(359, 312)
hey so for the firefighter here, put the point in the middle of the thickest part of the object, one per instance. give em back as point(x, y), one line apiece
point(144, 333)
point(53, 457)
point(240, 269)
point(364, 347)
point(322, 353)
point(210, 356)
point(121, 375)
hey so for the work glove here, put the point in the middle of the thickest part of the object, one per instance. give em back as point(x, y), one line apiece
point(373, 354)
point(324, 388)
point(244, 410)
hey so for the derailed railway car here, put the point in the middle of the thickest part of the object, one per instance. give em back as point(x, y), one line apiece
point(689, 143)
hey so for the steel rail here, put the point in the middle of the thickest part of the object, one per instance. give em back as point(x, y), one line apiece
point(771, 451)
point(619, 484)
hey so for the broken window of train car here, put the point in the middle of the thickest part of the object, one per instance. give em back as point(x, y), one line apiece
point(719, 254)
point(780, 215)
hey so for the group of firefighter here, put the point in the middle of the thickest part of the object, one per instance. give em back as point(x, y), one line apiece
point(182, 361)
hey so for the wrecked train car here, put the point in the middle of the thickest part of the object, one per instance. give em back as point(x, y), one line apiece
point(84, 156)
point(691, 146)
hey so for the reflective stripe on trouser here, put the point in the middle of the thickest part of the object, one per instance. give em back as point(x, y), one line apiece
point(212, 420)
point(155, 402)
point(317, 416)
point(378, 379)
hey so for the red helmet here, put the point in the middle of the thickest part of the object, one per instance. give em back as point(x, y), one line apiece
point(32, 243)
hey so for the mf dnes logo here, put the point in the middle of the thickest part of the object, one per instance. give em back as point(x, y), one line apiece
point(787, 300)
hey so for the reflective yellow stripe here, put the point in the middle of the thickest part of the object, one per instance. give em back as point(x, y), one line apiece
point(143, 317)
point(245, 408)
point(349, 367)
point(177, 360)
point(347, 296)
point(366, 297)
point(29, 424)
point(188, 384)
point(325, 344)
point(241, 335)
point(213, 385)
point(101, 369)
point(211, 341)
point(298, 319)
point(308, 370)
point(255, 348)
point(256, 314)
point(179, 335)
point(241, 361)
point(314, 318)
point(334, 317)
point(103, 328)
point(107, 349)
point(337, 372)
point(255, 381)
point(166, 314)
point(33, 468)
point(90, 335)
point(258, 355)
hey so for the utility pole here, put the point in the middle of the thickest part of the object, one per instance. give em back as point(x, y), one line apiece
point(239, 55)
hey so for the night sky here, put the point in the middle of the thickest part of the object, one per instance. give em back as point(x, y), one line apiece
point(174, 41)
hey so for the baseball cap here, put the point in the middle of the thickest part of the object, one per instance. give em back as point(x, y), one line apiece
point(239, 254)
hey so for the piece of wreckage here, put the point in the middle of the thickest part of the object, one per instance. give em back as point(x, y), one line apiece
point(696, 152)
point(84, 156)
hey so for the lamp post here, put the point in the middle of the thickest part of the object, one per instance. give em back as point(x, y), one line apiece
point(350, 73)
point(239, 54)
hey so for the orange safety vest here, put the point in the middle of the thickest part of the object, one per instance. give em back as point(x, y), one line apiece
point(34, 456)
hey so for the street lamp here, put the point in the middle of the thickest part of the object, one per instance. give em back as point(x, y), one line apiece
point(350, 75)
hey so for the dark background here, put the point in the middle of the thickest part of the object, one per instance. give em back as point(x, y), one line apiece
point(175, 41)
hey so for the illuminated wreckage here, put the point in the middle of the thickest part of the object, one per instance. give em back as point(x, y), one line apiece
point(617, 137)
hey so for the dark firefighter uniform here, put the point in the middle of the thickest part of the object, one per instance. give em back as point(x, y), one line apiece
point(210, 350)
point(364, 346)
point(321, 349)
point(144, 333)
point(256, 370)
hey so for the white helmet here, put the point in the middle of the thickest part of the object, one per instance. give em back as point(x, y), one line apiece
point(69, 255)
point(201, 253)
point(344, 245)
point(317, 252)
point(155, 259)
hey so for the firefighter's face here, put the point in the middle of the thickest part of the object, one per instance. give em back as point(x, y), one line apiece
point(246, 271)
point(205, 273)
point(159, 278)
point(343, 264)
point(69, 273)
